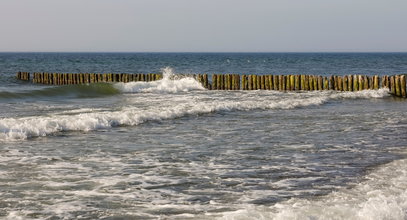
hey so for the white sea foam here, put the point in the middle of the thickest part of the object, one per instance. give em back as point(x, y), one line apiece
point(169, 108)
point(382, 196)
point(168, 84)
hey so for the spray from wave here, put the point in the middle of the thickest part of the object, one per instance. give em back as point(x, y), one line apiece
point(170, 83)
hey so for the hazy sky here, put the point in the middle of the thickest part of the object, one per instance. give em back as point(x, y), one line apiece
point(203, 25)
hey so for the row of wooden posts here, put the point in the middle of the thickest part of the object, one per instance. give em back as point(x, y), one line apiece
point(395, 83)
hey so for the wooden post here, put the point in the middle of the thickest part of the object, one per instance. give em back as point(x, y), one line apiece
point(249, 82)
point(340, 83)
point(266, 82)
point(360, 82)
point(226, 80)
point(320, 83)
point(205, 80)
point(258, 80)
point(332, 83)
point(385, 82)
point(233, 81)
point(302, 86)
point(244, 86)
point(403, 86)
point(311, 82)
point(392, 85)
point(223, 81)
point(306, 83)
point(297, 82)
point(336, 83)
point(275, 82)
point(233, 78)
point(355, 83)
point(229, 81)
point(376, 82)
point(397, 85)
point(370, 80)
point(315, 80)
point(284, 82)
point(326, 83)
point(365, 82)
point(254, 80)
point(262, 82)
point(345, 83)
point(219, 82)
point(292, 82)
point(214, 82)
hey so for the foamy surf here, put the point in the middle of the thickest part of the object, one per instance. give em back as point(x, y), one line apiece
point(383, 195)
point(167, 107)
point(168, 84)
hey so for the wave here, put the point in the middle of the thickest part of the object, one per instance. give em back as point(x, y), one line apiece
point(170, 83)
point(23, 128)
point(382, 196)
point(72, 91)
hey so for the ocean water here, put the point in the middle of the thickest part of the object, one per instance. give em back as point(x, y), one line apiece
point(170, 149)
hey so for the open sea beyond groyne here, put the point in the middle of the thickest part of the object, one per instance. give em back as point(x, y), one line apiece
point(173, 148)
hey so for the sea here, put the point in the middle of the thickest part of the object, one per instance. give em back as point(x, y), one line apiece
point(170, 149)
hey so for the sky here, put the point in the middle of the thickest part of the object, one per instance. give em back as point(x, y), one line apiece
point(203, 26)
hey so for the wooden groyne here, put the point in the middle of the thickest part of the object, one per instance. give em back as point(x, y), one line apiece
point(395, 83)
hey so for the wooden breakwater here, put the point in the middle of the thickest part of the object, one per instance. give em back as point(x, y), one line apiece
point(395, 83)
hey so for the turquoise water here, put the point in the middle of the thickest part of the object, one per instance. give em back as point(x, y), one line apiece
point(171, 149)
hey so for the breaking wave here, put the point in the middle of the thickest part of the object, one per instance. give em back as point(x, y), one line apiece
point(169, 84)
point(26, 127)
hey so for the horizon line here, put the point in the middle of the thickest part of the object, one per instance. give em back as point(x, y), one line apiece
point(203, 52)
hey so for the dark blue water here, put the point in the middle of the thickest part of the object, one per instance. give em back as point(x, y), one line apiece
point(242, 63)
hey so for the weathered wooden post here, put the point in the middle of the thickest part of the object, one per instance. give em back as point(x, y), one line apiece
point(345, 83)
point(403, 85)
point(266, 82)
point(376, 82)
point(297, 82)
point(392, 85)
point(332, 83)
point(302, 82)
point(244, 82)
point(276, 82)
point(360, 82)
point(326, 83)
point(370, 80)
point(214, 82)
point(397, 85)
point(258, 81)
point(249, 82)
point(320, 83)
point(292, 82)
point(336, 83)
point(271, 83)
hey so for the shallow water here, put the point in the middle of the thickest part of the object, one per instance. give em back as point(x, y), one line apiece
point(171, 149)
